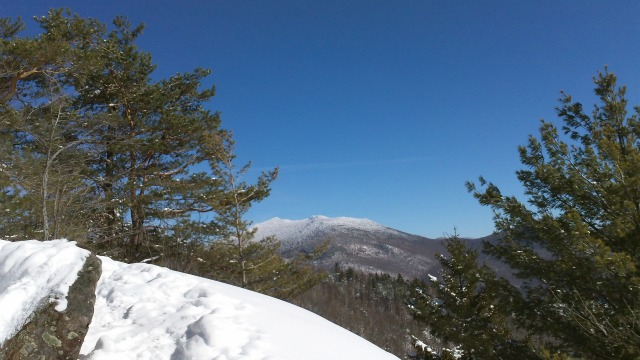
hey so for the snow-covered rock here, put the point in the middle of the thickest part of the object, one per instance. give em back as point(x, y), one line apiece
point(147, 312)
point(34, 273)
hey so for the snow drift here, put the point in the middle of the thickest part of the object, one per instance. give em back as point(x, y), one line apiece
point(147, 312)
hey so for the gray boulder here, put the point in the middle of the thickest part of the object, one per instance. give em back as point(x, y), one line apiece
point(50, 334)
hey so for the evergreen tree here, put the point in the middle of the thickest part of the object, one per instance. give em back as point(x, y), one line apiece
point(463, 310)
point(246, 255)
point(85, 130)
point(42, 167)
point(233, 255)
point(151, 135)
point(574, 243)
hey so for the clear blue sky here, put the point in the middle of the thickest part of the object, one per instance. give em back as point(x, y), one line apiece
point(383, 109)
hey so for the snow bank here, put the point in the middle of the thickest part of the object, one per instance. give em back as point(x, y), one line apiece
point(32, 274)
point(147, 312)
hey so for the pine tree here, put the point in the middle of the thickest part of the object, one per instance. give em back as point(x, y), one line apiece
point(578, 248)
point(42, 166)
point(151, 135)
point(574, 243)
point(463, 310)
point(85, 130)
point(233, 255)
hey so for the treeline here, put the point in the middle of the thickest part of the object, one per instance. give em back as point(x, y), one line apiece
point(95, 148)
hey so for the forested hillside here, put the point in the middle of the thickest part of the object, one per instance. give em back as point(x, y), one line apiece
point(370, 305)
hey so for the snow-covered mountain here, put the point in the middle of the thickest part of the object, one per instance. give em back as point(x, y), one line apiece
point(296, 233)
point(359, 243)
point(144, 311)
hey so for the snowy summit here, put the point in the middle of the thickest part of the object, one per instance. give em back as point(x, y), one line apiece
point(293, 233)
point(144, 311)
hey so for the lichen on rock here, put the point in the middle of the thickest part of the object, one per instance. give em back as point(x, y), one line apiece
point(52, 334)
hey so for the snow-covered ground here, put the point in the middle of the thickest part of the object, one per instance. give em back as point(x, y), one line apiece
point(147, 312)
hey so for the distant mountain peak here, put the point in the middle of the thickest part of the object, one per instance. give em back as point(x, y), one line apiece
point(356, 242)
point(296, 230)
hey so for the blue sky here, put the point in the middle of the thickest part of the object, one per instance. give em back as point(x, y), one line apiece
point(383, 109)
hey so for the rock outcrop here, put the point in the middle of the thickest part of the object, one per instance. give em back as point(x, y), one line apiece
point(50, 334)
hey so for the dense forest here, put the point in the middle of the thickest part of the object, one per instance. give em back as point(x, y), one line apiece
point(370, 305)
point(95, 148)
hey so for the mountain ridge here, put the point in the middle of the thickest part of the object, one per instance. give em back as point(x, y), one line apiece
point(359, 243)
point(288, 231)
